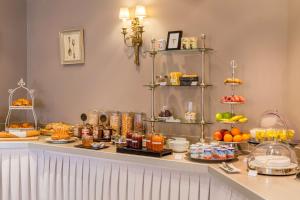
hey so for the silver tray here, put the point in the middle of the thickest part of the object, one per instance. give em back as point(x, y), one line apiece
point(71, 140)
point(286, 171)
point(211, 161)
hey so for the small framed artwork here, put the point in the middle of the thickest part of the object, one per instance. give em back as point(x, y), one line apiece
point(174, 40)
point(72, 47)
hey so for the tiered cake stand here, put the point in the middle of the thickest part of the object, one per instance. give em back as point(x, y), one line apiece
point(11, 108)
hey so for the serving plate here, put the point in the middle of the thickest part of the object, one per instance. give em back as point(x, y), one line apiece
point(212, 160)
point(63, 141)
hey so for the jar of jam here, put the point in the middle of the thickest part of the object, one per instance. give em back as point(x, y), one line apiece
point(97, 132)
point(149, 141)
point(87, 140)
point(129, 139)
point(78, 130)
point(137, 141)
point(157, 142)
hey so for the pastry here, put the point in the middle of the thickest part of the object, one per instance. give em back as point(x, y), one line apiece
point(7, 135)
point(235, 80)
point(61, 134)
point(22, 102)
point(32, 133)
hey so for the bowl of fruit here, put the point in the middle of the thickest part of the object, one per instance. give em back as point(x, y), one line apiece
point(235, 135)
point(230, 118)
point(233, 99)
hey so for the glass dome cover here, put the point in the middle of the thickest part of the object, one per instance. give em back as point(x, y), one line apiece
point(272, 119)
point(273, 127)
point(273, 158)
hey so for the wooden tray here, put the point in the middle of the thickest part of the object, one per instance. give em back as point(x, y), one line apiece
point(144, 152)
point(19, 139)
point(90, 148)
point(102, 140)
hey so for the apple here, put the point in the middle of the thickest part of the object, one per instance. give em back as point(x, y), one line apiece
point(223, 131)
point(218, 136)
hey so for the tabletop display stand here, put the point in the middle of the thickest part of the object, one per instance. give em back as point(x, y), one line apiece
point(233, 124)
point(203, 85)
point(233, 93)
point(11, 108)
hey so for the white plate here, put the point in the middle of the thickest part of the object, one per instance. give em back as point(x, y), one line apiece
point(72, 139)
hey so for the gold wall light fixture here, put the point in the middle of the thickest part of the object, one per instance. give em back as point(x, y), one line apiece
point(133, 36)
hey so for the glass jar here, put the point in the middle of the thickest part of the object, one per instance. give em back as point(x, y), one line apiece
point(137, 141)
point(115, 122)
point(149, 141)
point(93, 117)
point(78, 130)
point(138, 122)
point(157, 142)
point(127, 122)
point(97, 132)
point(87, 140)
point(129, 139)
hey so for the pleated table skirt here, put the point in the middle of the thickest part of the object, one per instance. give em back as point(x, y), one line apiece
point(43, 175)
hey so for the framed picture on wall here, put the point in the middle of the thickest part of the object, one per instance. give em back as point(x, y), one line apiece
point(72, 47)
point(174, 40)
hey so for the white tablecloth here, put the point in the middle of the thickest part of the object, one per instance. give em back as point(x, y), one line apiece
point(42, 175)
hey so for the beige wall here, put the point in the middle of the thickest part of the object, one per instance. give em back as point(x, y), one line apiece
point(292, 82)
point(12, 48)
point(253, 32)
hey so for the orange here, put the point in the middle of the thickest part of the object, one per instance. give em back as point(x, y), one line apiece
point(227, 138)
point(235, 131)
point(237, 138)
point(245, 136)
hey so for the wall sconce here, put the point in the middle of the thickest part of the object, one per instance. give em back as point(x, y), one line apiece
point(134, 38)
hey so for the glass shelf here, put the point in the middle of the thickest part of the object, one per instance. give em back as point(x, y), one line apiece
point(233, 103)
point(176, 122)
point(224, 122)
point(233, 84)
point(197, 50)
point(183, 86)
point(183, 51)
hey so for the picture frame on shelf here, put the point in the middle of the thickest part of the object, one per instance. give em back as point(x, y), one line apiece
point(174, 40)
point(72, 47)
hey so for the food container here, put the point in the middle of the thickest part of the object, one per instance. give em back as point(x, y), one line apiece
point(178, 144)
point(107, 134)
point(194, 151)
point(230, 153)
point(97, 132)
point(115, 122)
point(137, 141)
point(273, 128)
point(127, 122)
point(103, 119)
point(138, 122)
point(157, 143)
point(129, 139)
point(77, 130)
point(93, 117)
point(149, 141)
point(273, 158)
point(87, 140)
point(175, 78)
point(207, 154)
point(162, 80)
point(189, 80)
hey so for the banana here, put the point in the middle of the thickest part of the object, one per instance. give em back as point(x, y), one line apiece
point(236, 118)
point(244, 119)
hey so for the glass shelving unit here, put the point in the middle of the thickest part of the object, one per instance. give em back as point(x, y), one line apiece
point(203, 85)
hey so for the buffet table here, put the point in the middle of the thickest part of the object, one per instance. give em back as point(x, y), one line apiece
point(37, 170)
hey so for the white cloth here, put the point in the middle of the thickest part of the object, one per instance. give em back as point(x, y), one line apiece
point(43, 175)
